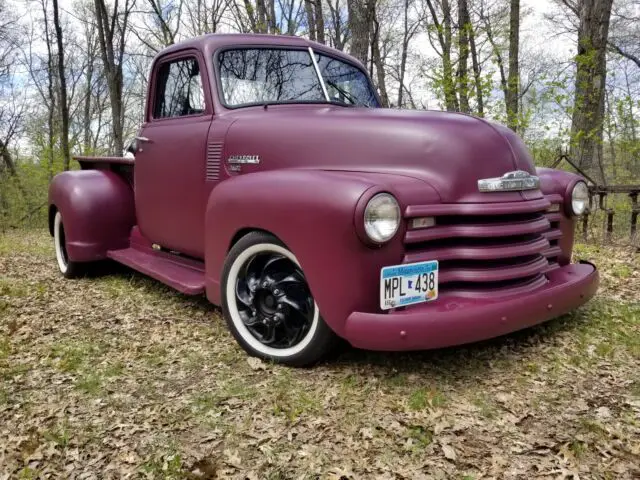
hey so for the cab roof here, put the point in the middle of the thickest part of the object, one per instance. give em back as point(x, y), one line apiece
point(212, 42)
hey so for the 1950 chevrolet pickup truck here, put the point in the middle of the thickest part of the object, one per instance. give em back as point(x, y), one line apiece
point(266, 176)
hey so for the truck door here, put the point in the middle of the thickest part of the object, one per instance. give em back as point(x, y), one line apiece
point(170, 160)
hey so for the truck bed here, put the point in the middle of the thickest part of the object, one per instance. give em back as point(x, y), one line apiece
point(90, 162)
point(123, 166)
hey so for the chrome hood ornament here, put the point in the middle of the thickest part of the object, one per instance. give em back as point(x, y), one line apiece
point(510, 182)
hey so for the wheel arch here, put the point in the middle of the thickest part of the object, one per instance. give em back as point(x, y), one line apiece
point(243, 232)
point(51, 217)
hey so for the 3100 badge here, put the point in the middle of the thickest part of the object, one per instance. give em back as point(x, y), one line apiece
point(402, 285)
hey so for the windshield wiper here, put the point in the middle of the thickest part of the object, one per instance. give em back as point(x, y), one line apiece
point(345, 94)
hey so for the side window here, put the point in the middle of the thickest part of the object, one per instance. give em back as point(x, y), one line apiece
point(179, 89)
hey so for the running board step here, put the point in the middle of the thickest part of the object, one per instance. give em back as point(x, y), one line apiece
point(182, 274)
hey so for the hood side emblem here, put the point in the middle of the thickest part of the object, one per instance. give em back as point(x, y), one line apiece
point(510, 182)
point(244, 159)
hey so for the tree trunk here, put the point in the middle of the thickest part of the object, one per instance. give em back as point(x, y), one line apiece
point(464, 23)
point(108, 26)
point(64, 104)
point(513, 82)
point(51, 94)
point(5, 155)
point(360, 27)
point(311, 21)
point(588, 112)
point(403, 54)
point(319, 16)
point(86, 139)
point(443, 31)
point(477, 73)
point(377, 60)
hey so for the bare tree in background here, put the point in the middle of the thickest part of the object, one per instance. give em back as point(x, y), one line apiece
point(409, 30)
point(464, 24)
point(513, 82)
point(112, 30)
point(441, 20)
point(203, 16)
point(62, 89)
point(315, 20)
point(361, 15)
point(587, 121)
point(11, 104)
point(337, 25)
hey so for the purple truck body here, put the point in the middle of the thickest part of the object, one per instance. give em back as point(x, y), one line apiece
point(176, 211)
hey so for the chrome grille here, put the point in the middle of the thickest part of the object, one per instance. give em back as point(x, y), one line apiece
point(487, 249)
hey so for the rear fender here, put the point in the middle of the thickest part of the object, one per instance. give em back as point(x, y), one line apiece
point(314, 214)
point(97, 209)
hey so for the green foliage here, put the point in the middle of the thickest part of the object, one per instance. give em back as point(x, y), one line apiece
point(23, 198)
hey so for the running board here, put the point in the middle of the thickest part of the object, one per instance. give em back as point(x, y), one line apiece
point(183, 274)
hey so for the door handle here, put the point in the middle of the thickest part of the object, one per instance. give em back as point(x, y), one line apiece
point(143, 139)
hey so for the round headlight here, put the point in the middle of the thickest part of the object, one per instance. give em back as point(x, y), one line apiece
point(382, 217)
point(579, 198)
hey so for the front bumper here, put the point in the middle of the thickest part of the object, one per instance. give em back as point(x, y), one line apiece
point(453, 321)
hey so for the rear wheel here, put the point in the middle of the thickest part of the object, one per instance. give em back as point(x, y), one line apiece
point(268, 305)
point(67, 267)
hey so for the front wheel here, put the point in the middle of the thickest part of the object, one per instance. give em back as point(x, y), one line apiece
point(67, 267)
point(268, 305)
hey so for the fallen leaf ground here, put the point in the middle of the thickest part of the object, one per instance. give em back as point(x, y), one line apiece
point(118, 376)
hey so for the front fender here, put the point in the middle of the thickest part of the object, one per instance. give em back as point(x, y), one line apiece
point(97, 209)
point(561, 183)
point(313, 213)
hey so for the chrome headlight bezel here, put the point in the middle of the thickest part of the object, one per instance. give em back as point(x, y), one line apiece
point(382, 218)
point(579, 199)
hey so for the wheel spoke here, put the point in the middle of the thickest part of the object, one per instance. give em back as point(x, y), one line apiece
point(294, 279)
point(274, 266)
point(253, 268)
point(243, 295)
point(251, 321)
point(269, 338)
point(268, 280)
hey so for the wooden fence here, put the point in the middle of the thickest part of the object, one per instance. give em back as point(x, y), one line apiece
point(598, 196)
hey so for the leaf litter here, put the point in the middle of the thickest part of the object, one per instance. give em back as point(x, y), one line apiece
point(117, 376)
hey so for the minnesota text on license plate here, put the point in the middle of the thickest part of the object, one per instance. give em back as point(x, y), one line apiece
point(402, 285)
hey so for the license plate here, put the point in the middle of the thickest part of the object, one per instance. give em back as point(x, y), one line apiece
point(402, 285)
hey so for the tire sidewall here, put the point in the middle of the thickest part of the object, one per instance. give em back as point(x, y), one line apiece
point(68, 268)
point(318, 339)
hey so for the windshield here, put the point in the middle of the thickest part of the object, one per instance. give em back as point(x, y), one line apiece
point(259, 76)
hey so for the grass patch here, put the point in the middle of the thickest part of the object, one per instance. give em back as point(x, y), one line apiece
point(423, 398)
point(71, 357)
point(421, 436)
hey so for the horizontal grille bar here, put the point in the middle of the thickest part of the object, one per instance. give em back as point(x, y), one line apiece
point(477, 208)
point(488, 249)
point(494, 273)
point(506, 229)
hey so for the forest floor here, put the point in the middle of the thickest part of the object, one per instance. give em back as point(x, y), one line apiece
point(118, 376)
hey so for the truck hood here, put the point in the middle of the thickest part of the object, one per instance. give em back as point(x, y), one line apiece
point(449, 151)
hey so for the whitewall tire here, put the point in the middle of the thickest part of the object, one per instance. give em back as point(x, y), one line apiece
point(268, 305)
point(67, 267)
